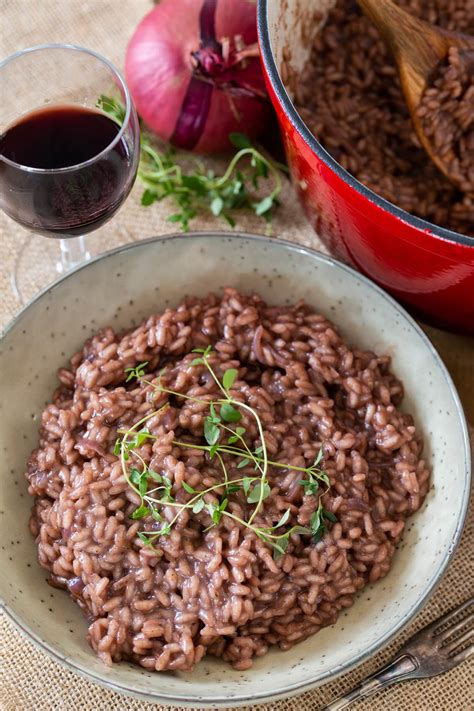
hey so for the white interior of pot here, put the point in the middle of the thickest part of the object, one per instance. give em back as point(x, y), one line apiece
point(293, 25)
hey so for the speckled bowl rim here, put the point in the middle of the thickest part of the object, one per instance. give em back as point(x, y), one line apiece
point(299, 687)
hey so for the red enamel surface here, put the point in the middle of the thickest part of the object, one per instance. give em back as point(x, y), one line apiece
point(434, 277)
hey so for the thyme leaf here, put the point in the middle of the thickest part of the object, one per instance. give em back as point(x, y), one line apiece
point(223, 412)
point(199, 190)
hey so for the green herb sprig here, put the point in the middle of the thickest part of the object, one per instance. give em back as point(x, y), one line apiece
point(200, 190)
point(221, 439)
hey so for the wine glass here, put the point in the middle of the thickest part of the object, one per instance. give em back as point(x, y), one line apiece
point(69, 148)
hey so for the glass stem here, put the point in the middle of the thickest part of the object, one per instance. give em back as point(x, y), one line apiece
point(73, 252)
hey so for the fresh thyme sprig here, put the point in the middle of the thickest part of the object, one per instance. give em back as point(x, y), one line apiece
point(200, 190)
point(221, 440)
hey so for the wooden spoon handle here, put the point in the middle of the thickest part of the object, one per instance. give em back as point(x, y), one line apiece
point(411, 40)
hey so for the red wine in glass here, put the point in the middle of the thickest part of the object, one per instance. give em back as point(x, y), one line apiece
point(86, 170)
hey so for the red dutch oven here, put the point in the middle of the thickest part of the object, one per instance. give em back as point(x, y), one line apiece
point(429, 268)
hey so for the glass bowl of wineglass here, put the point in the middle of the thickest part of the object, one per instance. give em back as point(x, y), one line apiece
point(66, 163)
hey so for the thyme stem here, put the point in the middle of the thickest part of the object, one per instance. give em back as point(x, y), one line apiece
point(256, 488)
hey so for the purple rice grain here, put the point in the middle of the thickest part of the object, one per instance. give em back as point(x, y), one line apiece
point(219, 591)
point(446, 112)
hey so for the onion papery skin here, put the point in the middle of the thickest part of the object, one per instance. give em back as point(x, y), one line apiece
point(183, 88)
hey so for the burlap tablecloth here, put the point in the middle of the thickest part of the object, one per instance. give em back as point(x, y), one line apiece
point(30, 681)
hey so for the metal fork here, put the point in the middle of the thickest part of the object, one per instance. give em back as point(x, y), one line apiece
point(438, 647)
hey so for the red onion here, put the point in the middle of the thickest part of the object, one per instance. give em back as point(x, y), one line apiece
point(91, 445)
point(194, 72)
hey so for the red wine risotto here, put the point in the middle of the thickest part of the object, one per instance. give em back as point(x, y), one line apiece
point(221, 479)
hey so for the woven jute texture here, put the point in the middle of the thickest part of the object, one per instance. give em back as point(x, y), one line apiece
point(29, 680)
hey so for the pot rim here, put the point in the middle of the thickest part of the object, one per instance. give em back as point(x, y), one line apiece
point(268, 61)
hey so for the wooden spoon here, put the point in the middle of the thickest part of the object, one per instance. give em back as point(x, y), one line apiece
point(418, 47)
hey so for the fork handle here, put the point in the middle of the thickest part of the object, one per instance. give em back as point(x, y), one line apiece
point(399, 669)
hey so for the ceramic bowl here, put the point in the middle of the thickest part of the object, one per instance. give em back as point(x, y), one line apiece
point(121, 287)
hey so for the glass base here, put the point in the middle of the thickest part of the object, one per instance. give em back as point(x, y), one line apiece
point(39, 261)
point(73, 252)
